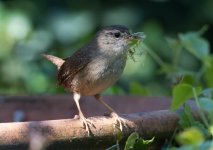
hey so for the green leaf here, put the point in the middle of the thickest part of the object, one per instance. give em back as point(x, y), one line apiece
point(131, 141)
point(135, 143)
point(211, 130)
point(188, 120)
point(186, 117)
point(181, 93)
point(142, 144)
point(188, 79)
point(190, 136)
point(208, 74)
point(207, 105)
point(208, 92)
point(195, 44)
point(176, 48)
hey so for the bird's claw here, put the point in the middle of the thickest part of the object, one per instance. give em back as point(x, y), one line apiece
point(119, 121)
point(87, 123)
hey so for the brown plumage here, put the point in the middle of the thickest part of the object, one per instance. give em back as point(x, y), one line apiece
point(72, 66)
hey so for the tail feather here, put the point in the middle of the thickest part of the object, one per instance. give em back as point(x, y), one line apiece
point(55, 60)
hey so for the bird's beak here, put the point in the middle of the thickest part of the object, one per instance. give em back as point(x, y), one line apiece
point(136, 37)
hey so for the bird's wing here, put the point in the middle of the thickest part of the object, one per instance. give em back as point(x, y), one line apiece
point(72, 66)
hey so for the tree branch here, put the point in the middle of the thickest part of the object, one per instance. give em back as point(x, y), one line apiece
point(70, 134)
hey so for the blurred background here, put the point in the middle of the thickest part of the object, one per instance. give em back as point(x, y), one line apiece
point(179, 37)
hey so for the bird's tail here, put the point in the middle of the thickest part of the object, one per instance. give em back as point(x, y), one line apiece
point(55, 60)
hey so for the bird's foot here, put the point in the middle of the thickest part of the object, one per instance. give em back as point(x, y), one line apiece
point(119, 121)
point(87, 123)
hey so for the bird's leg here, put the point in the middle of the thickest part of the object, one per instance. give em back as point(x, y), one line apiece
point(86, 122)
point(118, 119)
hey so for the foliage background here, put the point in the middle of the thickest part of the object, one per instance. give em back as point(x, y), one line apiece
point(30, 28)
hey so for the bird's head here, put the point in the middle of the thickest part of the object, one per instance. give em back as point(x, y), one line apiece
point(115, 39)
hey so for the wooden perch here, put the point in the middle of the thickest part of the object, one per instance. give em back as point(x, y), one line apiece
point(70, 134)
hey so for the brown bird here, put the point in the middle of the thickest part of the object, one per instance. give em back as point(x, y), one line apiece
point(95, 67)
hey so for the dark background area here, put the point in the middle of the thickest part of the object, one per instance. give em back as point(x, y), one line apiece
point(30, 28)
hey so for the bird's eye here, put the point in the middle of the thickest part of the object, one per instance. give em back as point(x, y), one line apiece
point(117, 34)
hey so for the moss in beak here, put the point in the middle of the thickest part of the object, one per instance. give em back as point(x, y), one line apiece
point(135, 40)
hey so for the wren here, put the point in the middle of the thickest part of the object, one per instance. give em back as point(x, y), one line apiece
point(95, 67)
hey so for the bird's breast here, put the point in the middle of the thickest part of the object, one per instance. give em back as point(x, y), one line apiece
point(98, 75)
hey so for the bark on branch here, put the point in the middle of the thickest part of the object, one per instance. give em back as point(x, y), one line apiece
point(70, 134)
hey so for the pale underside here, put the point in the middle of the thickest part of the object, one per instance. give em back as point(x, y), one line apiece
point(98, 75)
